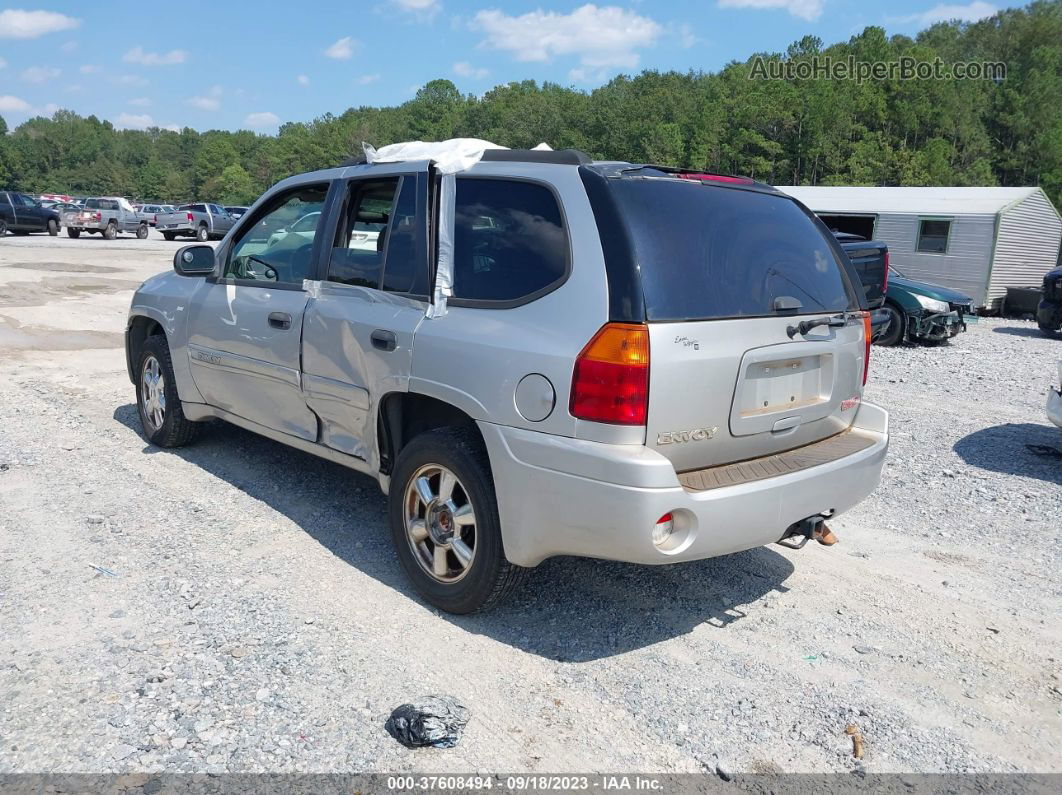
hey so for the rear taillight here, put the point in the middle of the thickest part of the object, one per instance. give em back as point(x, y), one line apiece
point(155, 220)
point(885, 284)
point(610, 382)
point(866, 346)
point(99, 216)
point(190, 218)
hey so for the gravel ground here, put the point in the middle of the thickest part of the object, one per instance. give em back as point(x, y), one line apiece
point(258, 619)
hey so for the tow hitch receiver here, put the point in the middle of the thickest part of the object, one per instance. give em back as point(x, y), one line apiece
point(812, 528)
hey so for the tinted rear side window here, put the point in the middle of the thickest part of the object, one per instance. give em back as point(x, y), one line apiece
point(707, 252)
point(509, 240)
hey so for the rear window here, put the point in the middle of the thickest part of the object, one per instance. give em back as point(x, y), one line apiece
point(707, 252)
point(101, 204)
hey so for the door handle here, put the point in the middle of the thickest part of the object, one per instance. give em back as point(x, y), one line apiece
point(280, 320)
point(384, 340)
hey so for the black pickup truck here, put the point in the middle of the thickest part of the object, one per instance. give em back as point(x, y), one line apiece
point(871, 261)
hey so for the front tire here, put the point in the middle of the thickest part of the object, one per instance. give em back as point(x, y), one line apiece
point(53, 227)
point(71, 232)
point(445, 525)
point(893, 332)
point(169, 236)
point(161, 414)
point(202, 235)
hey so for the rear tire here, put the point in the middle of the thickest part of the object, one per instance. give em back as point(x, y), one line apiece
point(142, 232)
point(486, 576)
point(53, 227)
point(110, 232)
point(3, 227)
point(893, 332)
point(202, 235)
point(71, 232)
point(169, 236)
point(161, 414)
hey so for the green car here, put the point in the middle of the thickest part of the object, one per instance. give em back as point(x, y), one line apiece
point(922, 312)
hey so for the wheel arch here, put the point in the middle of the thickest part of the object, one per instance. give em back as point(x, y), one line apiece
point(140, 327)
point(401, 416)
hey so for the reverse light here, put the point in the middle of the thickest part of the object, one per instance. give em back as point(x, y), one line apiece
point(866, 346)
point(610, 382)
point(663, 529)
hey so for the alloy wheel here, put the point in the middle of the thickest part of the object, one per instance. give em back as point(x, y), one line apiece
point(153, 393)
point(440, 523)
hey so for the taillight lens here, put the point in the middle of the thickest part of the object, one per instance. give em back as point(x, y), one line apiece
point(866, 346)
point(190, 218)
point(885, 284)
point(611, 378)
point(99, 216)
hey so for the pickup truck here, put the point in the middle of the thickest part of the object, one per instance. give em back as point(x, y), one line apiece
point(21, 214)
point(107, 216)
point(202, 221)
point(543, 386)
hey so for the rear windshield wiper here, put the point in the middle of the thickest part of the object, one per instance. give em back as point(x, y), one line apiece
point(804, 326)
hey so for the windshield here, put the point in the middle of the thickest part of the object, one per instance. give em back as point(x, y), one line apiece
point(707, 252)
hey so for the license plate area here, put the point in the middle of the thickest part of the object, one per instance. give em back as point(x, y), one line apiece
point(795, 383)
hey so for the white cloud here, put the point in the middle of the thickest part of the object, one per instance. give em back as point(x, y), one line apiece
point(40, 74)
point(422, 9)
point(209, 101)
point(342, 50)
point(172, 127)
point(805, 9)
point(70, 46)
point(18, 24)
point(128, 80)
point(9, 103)
point(602, 37)
point(140, 102)
point(139, 56)
point(133, 121)
point(87, 69)
point(687, 38)
point(303, 80)
point(465, 69)
point(364, 80)
point(945, 12)
point(3, 63)
point(260, 120)
point(50, 108)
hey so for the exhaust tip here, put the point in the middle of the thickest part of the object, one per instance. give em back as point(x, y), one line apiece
point(824, 535)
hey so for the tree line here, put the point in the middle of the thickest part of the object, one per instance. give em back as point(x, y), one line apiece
point(792, 130)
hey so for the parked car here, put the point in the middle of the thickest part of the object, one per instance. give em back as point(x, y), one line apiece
point(107, 216)
point(202, 221)
point(1049, 310)
point(21, 214)
point(237, 212)
point(149, 213)
point(922, 312)
point(1054, 400)
point(689, 388)
point(871, 261)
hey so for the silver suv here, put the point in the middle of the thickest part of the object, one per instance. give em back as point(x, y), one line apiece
point(627, 362)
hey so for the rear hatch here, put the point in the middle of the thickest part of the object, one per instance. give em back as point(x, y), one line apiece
point(728, 272)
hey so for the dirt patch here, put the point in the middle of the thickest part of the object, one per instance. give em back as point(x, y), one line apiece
point(51, 288)
point(62, 267)
point(15, 336)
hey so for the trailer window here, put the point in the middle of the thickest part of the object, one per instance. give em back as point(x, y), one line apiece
point(933, 236)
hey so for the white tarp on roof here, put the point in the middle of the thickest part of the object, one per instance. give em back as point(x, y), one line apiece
point(449, 157)
point(917, 201)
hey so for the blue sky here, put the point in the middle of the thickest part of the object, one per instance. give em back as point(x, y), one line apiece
point(251, 65)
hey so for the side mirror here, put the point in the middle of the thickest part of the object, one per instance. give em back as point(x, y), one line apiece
point(195, 260)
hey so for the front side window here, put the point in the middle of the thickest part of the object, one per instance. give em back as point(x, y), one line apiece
point(933, 236)
point(509, 240)
point(278, 245)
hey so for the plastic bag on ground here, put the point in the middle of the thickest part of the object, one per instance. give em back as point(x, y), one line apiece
point(435, 720)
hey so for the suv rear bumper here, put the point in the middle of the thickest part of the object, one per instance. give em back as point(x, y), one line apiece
point(560, 496)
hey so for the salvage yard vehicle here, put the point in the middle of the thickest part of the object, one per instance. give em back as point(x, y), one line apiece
point(107, 216)
point(1049, 310)
point(871, 261)
point(237, 212)
point(21, 214)
point(149, 213)
point(604, 359)
point(202, 221)
point(922, 312)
